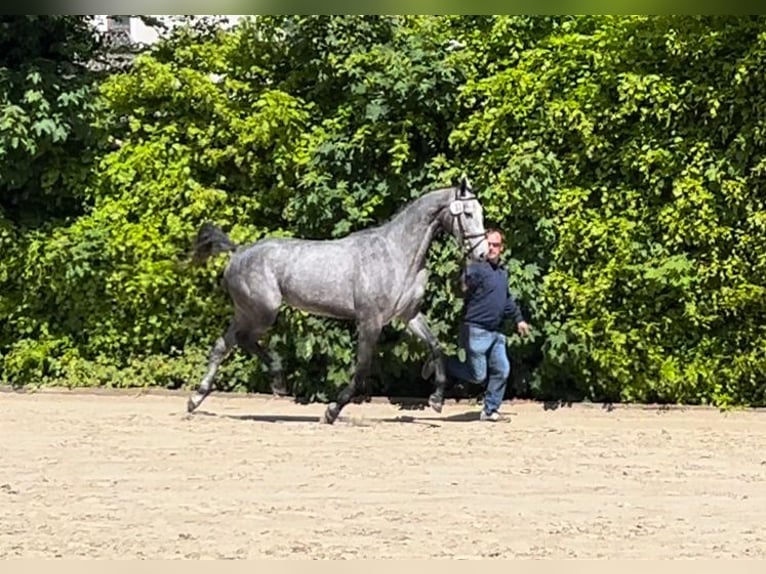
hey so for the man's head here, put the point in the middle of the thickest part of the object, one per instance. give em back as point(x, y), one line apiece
point(494, 244)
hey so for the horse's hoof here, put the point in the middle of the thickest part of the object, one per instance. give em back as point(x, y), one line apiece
point(190, 405)
point(436, 403)
point(279, 391)
point(329, 416)
point(279, 387)
point(326, 419)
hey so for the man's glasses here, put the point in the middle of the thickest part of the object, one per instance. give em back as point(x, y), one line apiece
point(494, 243)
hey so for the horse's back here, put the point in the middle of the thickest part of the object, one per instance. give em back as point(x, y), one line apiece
point(335, 278)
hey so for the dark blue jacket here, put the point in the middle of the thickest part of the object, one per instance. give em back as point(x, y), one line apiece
point(487, 298)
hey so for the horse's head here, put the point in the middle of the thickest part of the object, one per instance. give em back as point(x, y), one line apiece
point(465, 220)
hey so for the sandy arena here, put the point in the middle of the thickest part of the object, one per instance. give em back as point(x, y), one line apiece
point(129, 475)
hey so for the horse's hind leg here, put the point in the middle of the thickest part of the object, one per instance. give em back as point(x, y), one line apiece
point(259, 312)
point(249, 342)
point(218, 353)
point(367, 337)
point(274, 363)
point(419, 327)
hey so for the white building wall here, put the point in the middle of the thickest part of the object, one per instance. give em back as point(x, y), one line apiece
point(140, 33)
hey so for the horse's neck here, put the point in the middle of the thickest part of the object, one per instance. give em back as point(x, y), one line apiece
point(414, 228)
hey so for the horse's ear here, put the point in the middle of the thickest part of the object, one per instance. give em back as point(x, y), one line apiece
point(465, 185)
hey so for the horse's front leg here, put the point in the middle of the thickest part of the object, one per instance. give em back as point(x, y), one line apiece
point(418, 326)
point(367, 338)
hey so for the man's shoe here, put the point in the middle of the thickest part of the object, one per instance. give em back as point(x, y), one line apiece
point(493, 417)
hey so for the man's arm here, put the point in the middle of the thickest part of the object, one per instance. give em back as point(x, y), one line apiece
point(512, 311)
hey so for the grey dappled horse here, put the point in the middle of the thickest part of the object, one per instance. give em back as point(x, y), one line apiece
point(370, 276)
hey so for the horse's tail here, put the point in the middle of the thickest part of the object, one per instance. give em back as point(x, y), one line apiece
point(211, 240)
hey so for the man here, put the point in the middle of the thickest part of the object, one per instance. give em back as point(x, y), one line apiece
point(487, 303)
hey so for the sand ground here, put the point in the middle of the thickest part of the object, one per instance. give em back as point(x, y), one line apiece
point(124, 474)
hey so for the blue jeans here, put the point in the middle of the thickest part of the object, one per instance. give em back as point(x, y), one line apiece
point(486, 360)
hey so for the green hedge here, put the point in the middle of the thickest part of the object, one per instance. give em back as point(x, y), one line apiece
point(623, 156)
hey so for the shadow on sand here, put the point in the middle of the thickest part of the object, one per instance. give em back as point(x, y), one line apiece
point(432, 421)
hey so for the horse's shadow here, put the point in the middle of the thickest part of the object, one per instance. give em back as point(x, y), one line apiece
point(434, 421)
point(552, 405)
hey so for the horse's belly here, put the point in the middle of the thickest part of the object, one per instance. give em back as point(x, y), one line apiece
point(327, 299)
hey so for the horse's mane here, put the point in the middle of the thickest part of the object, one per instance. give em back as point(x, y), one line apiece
point(398, 213)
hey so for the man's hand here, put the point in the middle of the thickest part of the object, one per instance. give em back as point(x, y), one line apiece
point(523, 328)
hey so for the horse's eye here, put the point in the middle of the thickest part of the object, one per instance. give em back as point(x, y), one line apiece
point(468, 214)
